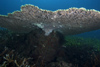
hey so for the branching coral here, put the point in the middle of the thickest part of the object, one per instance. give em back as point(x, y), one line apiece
point(10, 59)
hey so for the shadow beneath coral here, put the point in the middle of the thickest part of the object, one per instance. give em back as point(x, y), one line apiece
point(37, 50)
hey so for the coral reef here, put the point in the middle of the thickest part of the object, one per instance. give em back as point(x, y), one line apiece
point(43, 49)
point(84, 51)
point(70, 21)
point(38, 35)
point(8, 58)
point(37, 50)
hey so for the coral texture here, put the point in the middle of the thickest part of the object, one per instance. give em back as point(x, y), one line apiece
point(70, 21)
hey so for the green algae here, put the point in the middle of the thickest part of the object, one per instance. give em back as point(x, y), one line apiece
point(82, 42)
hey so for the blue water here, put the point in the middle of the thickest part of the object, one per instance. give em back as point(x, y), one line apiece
point(8, 6)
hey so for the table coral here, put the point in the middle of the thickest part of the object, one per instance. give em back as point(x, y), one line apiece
point(70, 21)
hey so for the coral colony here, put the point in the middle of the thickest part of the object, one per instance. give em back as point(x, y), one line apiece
point(37, 38)
point(67, 22)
